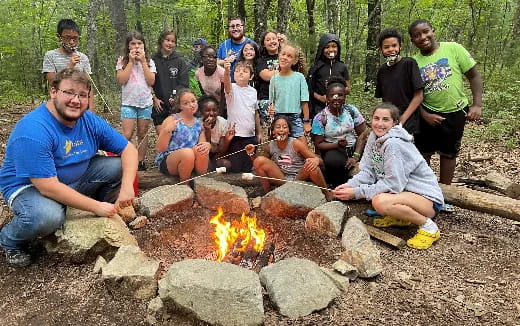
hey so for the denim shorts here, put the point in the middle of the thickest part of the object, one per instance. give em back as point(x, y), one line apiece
point(133, 112)
point(294, 120)
point(437, 208)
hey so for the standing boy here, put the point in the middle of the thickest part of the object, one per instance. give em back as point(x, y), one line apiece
point(67, 55)
point(446, 107)
point(243, 118)
point(399, 81)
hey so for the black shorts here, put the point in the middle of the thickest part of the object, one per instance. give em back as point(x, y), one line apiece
point(158, 117)
point(444, 138)
point(240, 162)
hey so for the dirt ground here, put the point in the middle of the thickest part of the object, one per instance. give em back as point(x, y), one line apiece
point(471, 276)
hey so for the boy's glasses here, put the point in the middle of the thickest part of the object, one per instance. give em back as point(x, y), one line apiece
point(70, 95)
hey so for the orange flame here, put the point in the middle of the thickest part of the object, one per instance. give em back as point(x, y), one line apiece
point(227, 233)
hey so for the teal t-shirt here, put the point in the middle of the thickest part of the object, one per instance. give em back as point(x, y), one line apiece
point(442, 73)
point(288, 92)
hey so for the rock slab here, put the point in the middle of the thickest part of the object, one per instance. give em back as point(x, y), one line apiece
point(164, 200)
point(298, 287)
point(292, 200)
point(217, 293)
point(84, 236)
point(132, 273)
point(360, 252)
point(212, 193)
point(326, 219)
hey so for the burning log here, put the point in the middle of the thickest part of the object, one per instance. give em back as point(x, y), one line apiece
point(265, 257)
point(234, 255)
point(249, 257)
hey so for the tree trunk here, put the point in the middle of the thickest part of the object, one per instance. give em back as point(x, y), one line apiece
point(372, 56)
point(137, 7)
point(241, 9)
point(482, 202)
point(230, 10)
point(311, 28)
point(284, 12)
point(260, 9)
point(118, 17)
point(333, 16)
point(92, 42)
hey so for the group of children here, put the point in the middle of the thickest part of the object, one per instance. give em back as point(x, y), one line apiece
point(424, 103)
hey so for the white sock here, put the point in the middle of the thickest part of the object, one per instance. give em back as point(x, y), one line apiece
point(429, 226)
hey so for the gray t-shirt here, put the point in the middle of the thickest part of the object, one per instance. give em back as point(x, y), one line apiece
point(55, 61)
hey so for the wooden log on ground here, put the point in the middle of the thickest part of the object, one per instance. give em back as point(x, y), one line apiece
point(503, 184)
point(249, 257)
point(387, 238)
point(151, 179)
point(482, 202)
point(265, 257)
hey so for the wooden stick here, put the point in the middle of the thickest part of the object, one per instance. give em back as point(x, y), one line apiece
point(243, 149)
point(385, 237)
point(300, 183)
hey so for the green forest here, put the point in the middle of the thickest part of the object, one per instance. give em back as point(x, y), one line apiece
point(490, 30)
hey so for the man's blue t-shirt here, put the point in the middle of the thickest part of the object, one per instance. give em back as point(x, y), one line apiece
point(42, 147)
point(227, 48)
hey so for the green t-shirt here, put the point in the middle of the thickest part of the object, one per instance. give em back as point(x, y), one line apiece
point(442, 73)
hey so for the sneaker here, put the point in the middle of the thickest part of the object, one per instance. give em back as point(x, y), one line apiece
point(448, 208)
point(141, 166)
point(17, 258)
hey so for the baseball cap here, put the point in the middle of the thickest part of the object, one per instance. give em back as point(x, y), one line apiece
point(200, 41)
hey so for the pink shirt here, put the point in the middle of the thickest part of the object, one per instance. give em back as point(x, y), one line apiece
point(211, 84)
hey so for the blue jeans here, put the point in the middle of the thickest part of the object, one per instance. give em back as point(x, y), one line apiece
point(37, 215)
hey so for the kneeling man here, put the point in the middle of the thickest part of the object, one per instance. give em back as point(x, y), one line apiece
point(50, 163)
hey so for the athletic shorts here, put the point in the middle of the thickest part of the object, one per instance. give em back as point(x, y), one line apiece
point(133, 112)
point(444, 138)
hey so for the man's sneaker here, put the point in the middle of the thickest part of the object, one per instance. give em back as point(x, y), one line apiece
point(141, 166)
point(17, 258)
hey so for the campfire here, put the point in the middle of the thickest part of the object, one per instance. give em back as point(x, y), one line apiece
point(241, 242)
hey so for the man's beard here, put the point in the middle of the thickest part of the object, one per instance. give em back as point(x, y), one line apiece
point(236, 39)
point(61, 110)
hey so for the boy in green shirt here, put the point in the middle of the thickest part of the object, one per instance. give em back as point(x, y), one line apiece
point(442, 66)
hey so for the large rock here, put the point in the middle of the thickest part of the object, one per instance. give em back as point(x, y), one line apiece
point(84, 236)
point(326, 219)
point(217, 293)
point(164, 200)
point(212, 193)
point(298, 286)
point(292, 200)
point(132, 273)
point(360, 252)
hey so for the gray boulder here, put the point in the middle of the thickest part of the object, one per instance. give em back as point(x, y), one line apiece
point(326, 219)
point(217, 293)
point(212, 193)
point(292, 200)
point(164, 200)
point(298, 286)
point(84, 236)
point(346, 269)
point(360, 252)
point(341, 281)
point(131, 273)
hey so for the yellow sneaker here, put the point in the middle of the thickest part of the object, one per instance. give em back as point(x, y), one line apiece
point(423, 240)
point(389, 221)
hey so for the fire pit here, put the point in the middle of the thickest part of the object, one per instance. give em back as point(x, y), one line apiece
point(241, 242)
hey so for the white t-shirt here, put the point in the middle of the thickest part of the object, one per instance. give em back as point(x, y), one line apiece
point(241, 108)
point(56, 61)
point(219, 130)
point(136, 91)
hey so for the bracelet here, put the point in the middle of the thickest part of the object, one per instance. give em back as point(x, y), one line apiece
point(356, 155)
point(306, 120)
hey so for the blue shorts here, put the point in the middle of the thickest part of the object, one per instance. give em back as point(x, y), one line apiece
point(133, 112)
point(295, 121)
point(437, 208)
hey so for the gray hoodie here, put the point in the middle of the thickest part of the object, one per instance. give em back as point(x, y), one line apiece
point(393, 164)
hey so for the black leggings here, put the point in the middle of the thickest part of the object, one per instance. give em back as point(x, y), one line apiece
point(335, 160)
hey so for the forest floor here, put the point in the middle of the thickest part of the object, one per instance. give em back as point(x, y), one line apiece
point(471, 276)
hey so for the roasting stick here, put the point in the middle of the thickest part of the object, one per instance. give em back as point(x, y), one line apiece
point(250, 176)
point(243, 149)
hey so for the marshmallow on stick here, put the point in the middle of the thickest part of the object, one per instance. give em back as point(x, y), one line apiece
point(221, 170)
point(247, 176)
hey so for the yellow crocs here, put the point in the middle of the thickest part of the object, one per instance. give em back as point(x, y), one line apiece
point(388, 221)
point(423, 240)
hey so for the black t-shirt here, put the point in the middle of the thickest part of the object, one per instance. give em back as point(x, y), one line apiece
point(396, 84)
point(319, 78)
point(269, 62)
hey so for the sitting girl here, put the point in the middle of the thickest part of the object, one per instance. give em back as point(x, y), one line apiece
point(337, 132)
point(395, 176)
point(181, 145)
point(286, 158)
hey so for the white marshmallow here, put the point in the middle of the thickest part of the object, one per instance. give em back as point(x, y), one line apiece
point(221, 170)
point(335, 96)
point(247, 176)
point(279, 137)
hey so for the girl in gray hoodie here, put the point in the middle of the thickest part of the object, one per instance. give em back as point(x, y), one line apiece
point(394, 175)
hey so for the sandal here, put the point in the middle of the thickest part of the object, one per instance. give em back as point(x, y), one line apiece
point(388, 221)
point(423, 240)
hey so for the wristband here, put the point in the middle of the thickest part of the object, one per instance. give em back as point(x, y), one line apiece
point(306, 120)
point(356, 155)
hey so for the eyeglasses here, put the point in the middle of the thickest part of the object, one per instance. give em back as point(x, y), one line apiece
point(237, 26)
point(70, 95)
point(70, 38)
point(209, 56)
